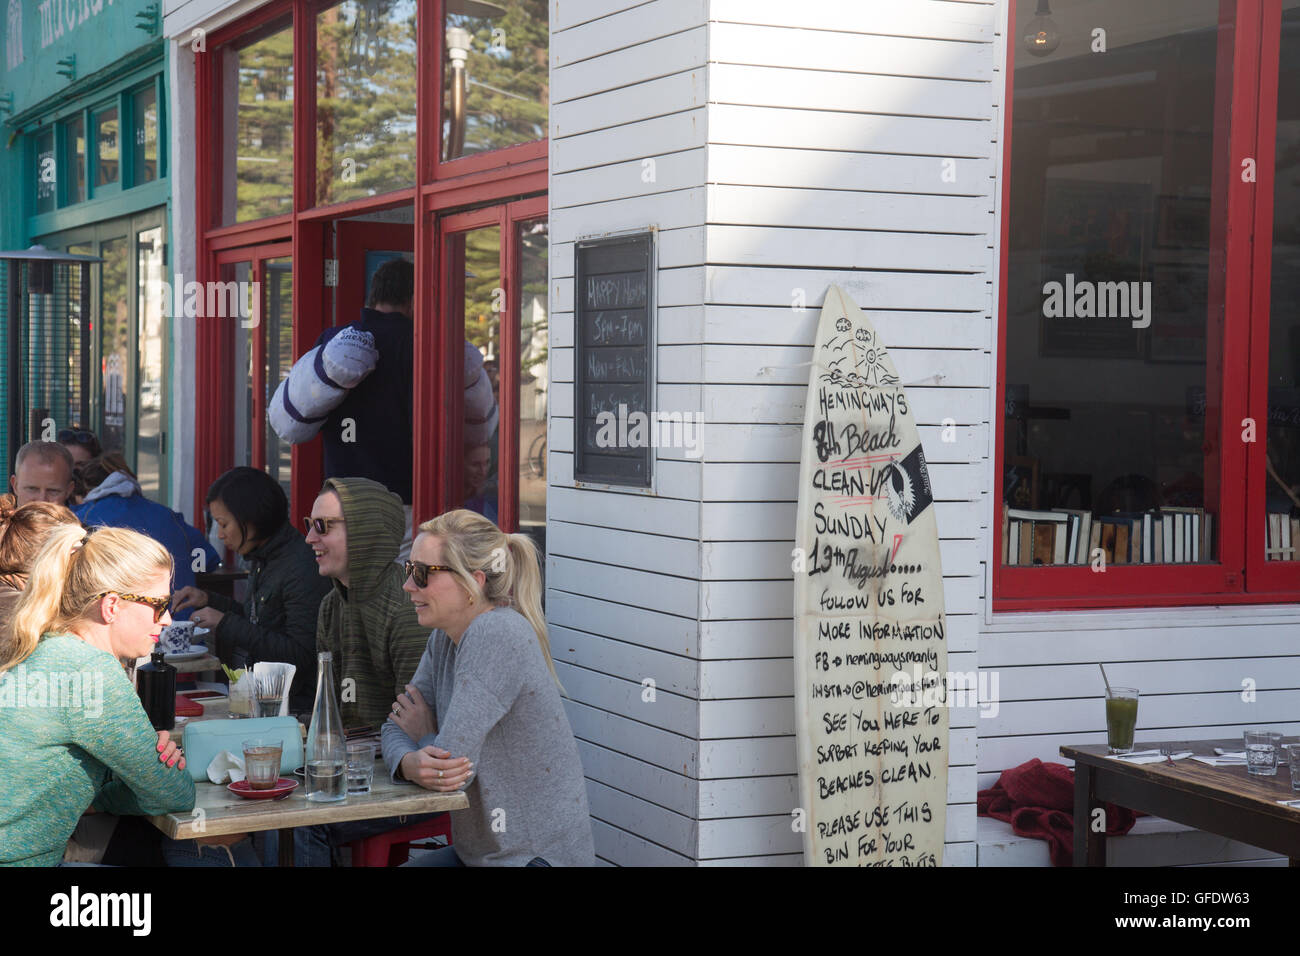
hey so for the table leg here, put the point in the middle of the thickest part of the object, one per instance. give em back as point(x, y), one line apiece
point(1089, 847)
point(286, 846)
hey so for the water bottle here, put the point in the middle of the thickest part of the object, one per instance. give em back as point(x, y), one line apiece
point(156, 684)
point(327, 752)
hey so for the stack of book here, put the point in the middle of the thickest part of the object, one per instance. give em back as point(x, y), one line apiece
point(1064, 536)
point(1283, 537)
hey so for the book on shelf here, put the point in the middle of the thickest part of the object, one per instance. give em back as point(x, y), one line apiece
point(1282, 537)
point(1172, 535)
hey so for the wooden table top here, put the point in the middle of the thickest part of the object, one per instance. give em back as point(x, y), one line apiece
point(1228, 785)
point(224, 813)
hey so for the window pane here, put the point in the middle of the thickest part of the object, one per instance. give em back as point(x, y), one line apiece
point(475, 259)
point(365, 99)
point(46, 172)
point(277, 321)
point(257, 166)
point(74, 163)
point(496, 75)
point(1111, 284)
point(75, 320)
point(1283, 484)
point(108, 149)
point(114, 343)
point(151, 373)
point(244, 409)
point(145, 115)
point(533, 362)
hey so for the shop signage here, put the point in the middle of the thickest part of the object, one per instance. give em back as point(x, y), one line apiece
point(870, 655)
point(614, 427)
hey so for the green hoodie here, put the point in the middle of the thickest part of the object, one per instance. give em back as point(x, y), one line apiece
point(370, 626)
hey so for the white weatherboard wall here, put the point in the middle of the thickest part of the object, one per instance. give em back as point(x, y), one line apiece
point(623, 568)
point(794, 146)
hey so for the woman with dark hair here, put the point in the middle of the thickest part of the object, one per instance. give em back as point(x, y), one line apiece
point(277, 621)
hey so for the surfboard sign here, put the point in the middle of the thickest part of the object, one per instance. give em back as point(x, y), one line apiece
point(870, 656)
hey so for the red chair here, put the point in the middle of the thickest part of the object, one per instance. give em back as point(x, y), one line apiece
point(394, 847)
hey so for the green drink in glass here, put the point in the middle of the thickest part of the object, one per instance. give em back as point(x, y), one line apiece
point(1121, 718)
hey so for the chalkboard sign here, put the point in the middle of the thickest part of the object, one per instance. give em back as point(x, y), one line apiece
point(613, 310)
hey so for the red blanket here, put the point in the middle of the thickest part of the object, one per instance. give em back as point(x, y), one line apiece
point(1037, 799)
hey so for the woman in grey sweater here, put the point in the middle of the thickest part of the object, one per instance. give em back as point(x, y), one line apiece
point(483, 711)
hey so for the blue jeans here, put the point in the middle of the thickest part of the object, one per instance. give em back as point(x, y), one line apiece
point(193, 853)
point(317, 845)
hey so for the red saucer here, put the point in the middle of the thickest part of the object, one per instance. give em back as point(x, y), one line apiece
point(282, 786)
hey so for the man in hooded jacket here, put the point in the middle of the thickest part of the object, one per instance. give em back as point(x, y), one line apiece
point(368, 625)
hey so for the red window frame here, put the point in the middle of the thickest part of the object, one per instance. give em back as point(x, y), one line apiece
point(500, 176)
point(1246, 116)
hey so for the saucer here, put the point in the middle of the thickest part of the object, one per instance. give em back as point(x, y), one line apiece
point(283, 786)
point(195, 651)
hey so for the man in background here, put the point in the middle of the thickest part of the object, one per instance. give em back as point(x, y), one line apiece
point(42, 472)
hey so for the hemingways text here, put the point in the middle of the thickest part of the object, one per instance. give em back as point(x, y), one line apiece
point(873, 608)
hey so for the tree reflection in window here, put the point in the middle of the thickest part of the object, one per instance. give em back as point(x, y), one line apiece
point(495, 75)
point(365, 99)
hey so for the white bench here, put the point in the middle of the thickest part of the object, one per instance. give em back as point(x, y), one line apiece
point(1152, 842)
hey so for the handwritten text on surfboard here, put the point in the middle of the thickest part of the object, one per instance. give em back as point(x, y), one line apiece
point(875, 598)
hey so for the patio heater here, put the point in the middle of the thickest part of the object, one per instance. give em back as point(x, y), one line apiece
point(459, 41)
point(45, 350)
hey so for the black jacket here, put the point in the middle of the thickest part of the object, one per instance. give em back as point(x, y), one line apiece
point(277, 621)
point(379, 439)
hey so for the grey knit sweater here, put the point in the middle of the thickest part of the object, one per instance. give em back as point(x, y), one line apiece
point(496, 703)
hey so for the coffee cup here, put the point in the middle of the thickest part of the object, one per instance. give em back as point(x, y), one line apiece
point(176, 637)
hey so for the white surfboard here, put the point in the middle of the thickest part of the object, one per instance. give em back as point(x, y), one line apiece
point(870, 655)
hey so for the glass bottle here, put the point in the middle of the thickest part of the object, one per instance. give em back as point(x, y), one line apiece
point(155, 682)
point(327, 753)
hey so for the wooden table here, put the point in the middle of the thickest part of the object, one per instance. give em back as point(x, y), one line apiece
point(224, 813)
point(1223, 800)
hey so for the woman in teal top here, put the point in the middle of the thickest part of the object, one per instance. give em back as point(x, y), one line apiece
point(72, 732)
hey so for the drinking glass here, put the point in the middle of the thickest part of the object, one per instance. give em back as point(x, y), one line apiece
point(1293, 760)
point(361, 766)
point(262, 762)
point(1261, 752)
point(1121, 718)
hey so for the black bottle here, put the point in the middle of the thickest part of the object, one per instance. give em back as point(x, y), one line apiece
point(156, 684)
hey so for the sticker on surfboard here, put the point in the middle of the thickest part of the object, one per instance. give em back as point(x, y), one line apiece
point(870, 653)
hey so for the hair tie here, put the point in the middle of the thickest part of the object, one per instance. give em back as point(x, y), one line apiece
point(84, 538)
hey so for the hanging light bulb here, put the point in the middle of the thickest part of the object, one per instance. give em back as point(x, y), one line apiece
point(1041, 36)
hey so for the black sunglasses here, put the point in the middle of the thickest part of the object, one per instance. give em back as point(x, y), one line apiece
point(72, 436)
point(322, 525)
point(418, 571)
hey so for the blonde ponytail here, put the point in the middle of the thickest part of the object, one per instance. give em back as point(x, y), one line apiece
point(68, 577)
point(470, 542)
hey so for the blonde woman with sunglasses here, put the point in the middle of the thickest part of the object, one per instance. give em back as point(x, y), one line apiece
point(483, 713)
point(72, 732)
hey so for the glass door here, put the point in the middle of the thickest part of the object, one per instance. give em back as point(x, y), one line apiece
point(260, 337)
point(494, 298)
point(127, 372)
